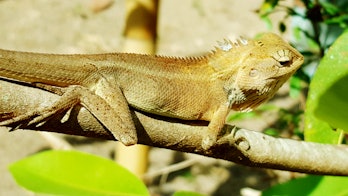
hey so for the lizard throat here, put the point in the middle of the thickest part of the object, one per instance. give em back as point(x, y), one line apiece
point(249, 99)
point(252, 100)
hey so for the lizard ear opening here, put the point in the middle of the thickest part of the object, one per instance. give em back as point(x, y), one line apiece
point(253, 73)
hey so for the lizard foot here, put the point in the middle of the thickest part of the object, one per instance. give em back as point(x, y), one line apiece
point(37, 118)
point(208, 141)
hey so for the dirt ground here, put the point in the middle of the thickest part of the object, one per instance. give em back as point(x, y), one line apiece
point(186, 27)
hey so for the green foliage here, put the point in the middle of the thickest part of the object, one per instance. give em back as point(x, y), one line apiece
point(75, 173)
point(327, 103)
point(242, 116)
point(295, 86)
point(290, 121)
point(316, 25)
point(311, 185)
point(325, 11)
point(252, 114)
point(332, 73)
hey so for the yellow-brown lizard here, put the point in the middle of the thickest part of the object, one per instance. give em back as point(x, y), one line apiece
point(237, 75)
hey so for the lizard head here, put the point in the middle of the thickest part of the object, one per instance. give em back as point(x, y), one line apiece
point(253, 70)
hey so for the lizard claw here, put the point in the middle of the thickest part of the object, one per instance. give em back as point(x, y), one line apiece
point(14, 124)
point(128, 140)
point(15, 127)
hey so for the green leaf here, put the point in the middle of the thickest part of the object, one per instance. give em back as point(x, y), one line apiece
point(187, 193)
point(267, 7)
point(330, 8)
point(341, 20)
point(75, 173)
point(268, 22)
point(295, 86)
point(311, 185)
point(272, 132)
point(327, 103)
point(241, 116)
point(332, 105)
point(252, 114)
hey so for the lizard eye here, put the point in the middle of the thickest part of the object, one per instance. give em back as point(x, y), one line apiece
point(283, 57)
point(284, 63)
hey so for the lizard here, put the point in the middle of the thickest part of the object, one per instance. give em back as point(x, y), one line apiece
point(237, 75)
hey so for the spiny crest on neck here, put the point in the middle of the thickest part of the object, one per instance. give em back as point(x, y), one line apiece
point(227, 45)
point(227, 55)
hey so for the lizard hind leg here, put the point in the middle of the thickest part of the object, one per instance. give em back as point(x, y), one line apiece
point(118, 123)
point(106, 103)
point(112, 111)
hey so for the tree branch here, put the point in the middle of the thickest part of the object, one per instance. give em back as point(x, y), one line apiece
point(237, 145)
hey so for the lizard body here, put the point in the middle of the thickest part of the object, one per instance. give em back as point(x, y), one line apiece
point(149, 83)
point(237, 75)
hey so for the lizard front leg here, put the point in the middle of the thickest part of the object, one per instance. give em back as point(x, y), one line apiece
point(215, 126)
point(107, 104)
